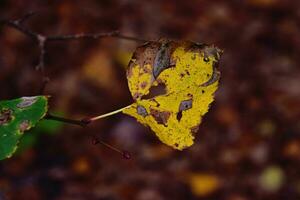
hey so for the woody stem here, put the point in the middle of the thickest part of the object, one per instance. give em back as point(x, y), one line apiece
point(85, 121)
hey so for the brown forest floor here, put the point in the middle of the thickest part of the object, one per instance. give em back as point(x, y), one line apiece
point(248, 146)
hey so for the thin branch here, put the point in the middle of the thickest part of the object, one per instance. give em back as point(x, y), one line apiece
point(85, 121)
point(38, 38)
point(94, 36)
point(82, 36)
point(81, 123)
point(25, 17)
point(42, 40)
point(95, 140)
point(125, 154)
point(42, 47)
point(18, 26)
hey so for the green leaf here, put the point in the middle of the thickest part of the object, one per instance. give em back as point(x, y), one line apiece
point(32, 137)
point(50, 127)
point(17, 116)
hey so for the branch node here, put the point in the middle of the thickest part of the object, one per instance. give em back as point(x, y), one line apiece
point(86, 121)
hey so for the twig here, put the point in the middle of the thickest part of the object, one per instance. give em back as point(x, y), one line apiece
point(81, 123)
point(42, 40)
point(18, 26)
point(85, 121)
point(25, 17)
point(125, 154)
point(95, 140)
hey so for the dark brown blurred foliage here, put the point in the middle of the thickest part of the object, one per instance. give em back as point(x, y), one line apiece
point(248, 146)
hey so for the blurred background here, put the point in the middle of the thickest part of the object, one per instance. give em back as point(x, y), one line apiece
point(248, 146)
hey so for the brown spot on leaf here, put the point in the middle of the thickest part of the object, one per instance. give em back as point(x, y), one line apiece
point(24, 126)
point(26, 102)
point(212, 51)
point(162, 59)
point(137, 95)
point(204, 49)
point(187, 72)
point(5, 116)
point(194, 47)
point(129, 71)
point(146, 70)
point(143, 85)
point(161, 117)
point(193, 57)
point(144, 55)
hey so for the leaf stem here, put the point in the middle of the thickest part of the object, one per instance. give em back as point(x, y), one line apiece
point(85, 121)
point(108, 114)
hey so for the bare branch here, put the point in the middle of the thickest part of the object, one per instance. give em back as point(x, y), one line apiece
point(82, 36)
point(25, 17)
point(42, 40)
point(42, 47)
point(81, 123)
point(16, 25)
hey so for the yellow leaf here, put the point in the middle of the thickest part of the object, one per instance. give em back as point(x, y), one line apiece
point(172, 84)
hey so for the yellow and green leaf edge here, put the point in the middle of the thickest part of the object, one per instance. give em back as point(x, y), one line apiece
point(16, 117)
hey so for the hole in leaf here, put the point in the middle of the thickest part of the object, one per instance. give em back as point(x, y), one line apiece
point(155, 91)
point(141, 110)
point(185, 105)
point(179, 115)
